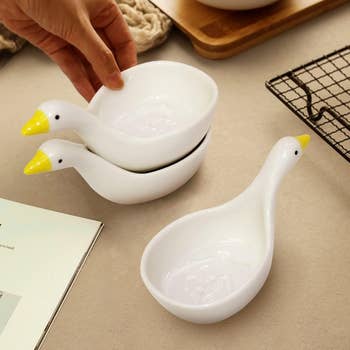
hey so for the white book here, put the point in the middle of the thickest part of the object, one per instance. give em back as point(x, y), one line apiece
point(41, 252)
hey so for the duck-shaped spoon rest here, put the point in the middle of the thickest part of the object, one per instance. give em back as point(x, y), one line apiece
point(161, 114)
point(206, 266)
point(109, 180)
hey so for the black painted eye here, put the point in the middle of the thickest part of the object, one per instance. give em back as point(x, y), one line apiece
point(57, 117)
point(296, 153)
point(60, 161)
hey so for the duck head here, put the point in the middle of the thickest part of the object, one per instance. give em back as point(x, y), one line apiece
point(53, 155)
point(54, 115)
point(281, 159)
point(288, 150)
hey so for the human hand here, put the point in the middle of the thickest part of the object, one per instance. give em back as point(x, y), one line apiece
point(88, 39)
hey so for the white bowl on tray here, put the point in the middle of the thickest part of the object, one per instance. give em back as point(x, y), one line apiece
point(237, 4)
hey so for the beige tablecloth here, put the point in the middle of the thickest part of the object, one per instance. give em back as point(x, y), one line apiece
point(304, 304)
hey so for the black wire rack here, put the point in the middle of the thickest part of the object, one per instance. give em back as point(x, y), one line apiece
point(319, 94)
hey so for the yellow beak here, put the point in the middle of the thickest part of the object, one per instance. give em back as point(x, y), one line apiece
point(38, 124)
point(303, 140)
point(40, 163)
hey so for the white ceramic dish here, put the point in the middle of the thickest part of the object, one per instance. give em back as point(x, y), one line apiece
point(110, 181)
point(237, 4)
point(206, 266)
point(161, 114)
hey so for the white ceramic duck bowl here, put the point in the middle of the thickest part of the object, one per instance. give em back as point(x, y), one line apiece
point(109, 180)
point(206, 266)
point(237, 4)
point(161, 114)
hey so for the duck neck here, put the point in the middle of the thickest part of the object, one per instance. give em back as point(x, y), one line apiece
point(274, 169)
point(90, 128)
point(74, 153)
point(82, 119)
point(81, 159)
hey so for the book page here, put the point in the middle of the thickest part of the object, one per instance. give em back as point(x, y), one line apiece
point(40, 253)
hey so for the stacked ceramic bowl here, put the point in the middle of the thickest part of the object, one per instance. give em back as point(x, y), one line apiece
point(140, 143)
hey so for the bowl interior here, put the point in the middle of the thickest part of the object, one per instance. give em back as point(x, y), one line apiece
point(204, 258)
point(158, 98)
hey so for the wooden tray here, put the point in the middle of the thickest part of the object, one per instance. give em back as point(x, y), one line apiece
point(219, 34)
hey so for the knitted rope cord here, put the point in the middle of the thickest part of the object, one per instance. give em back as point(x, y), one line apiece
point(148, 25)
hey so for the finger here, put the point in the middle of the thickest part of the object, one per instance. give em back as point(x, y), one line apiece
point(70, 63)
point(99, 55)
point(92, 73)
point(103, 36)
point(39, 37)
point(94, 79)
point(117, 32)
point(60, 52)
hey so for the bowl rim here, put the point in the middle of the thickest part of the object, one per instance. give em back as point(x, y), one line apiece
point(243, 289)
point(198, 149)
point(145, 140)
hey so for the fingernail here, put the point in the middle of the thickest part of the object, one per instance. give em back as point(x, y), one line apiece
point(115, 81)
